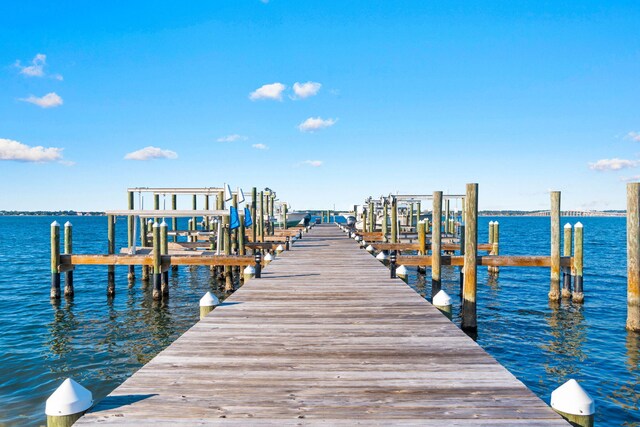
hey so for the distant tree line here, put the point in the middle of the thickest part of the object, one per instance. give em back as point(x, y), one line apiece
point(49, 213)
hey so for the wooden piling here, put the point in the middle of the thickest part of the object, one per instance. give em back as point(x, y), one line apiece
point(384, 221)
point(228, 276)
point(130, 234)
point(261, 219)
point(68, 250)
point(578, 258)
point(418, 207)
point(566, 251)
point(554, 292)
point(111, 249)
point(233, 234)
point(194, 220)
point(174, 220)
point(55, 260)
point(372, 218)
point(157, 262)
point(633, 256)
point(422, 238)
point(394, 220)
point(272, 197)
point(164, 250)
point(410, 216)
point(495, 246)
point(469, 320)
point(241, 237)
point(436, 244)
point(284, 216)
point(205, 220)
point(144, 242)
point(447, 214)
point(253, 214)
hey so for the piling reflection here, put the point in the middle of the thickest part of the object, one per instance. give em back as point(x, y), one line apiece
point(60, 328)
point(626, 393)
point(567, 336)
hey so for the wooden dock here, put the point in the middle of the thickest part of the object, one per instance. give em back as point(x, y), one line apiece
point(325, 337)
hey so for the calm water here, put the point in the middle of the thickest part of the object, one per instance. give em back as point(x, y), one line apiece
point(100, 342)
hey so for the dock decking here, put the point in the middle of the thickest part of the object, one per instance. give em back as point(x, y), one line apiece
point(325, 337)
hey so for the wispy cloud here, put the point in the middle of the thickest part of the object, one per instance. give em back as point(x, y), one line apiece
point(36, 69)
point(305, 90)
point(312, 163)
point(633, 136)
point(313, 124)
point(612, 164)
point(17, 151)
point(260, 147)
point(150, 153)
point(232, 138)
point(630, 178)
point(50, 100)
point(269, 91)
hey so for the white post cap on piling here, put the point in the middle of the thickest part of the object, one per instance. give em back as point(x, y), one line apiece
point(55, 224)
point(156, 225)
point(269, 257)
point(149, 220)
point(209, 300)
point(163, 224)
point(490, 222)
point(382, 256)
point(441, 299)
point(68, 399)
point(370, 249)
point(495, 223)
point(280, 248)
point(578, 224)
point(567, 225)
point(250, 269)
point(571, 398)
point(402, 271)
point(68, 224)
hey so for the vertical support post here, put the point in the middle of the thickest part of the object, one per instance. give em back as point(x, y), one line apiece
point(253, 215)
point(68, 249)
point(233, 234)
point(566, 252)
point(131, 276)
point(284, 215)
point(469, 320)
point(205, 220)
point(194, 220)
point(261, 221)
point(410, 215)
point(394, 220)
point(372, 218)
point(422, 238)
point(447, 214)
point(554, 291)
point(241, 238)
point(144, 242)
point(418, 208)
point(258, 265)
point(156, 204)
point(164, 250)
point(436, 243)
point(174, 220)
point(633, 256)
point(578, 258)
point(55, 260)
point(384, 220)
point(157, 262)
point(393, 258)
point(272, 197)
point(463, 229)
point(228, 277)
point(111, 249)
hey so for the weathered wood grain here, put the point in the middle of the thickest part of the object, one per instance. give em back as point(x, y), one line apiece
point(324, 338)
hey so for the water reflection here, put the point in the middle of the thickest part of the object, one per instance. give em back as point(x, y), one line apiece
point(60, 329)
point(626, 392)
point(567, 336)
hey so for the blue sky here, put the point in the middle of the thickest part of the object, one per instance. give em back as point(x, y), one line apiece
point(404, 96)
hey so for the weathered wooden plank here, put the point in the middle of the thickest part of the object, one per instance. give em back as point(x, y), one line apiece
point(324, 338)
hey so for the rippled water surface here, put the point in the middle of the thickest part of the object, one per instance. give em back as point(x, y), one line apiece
point(100, 341)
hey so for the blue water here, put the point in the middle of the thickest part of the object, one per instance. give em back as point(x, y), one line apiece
point(100, 341)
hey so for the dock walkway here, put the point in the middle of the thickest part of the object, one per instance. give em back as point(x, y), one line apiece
point(325, 337)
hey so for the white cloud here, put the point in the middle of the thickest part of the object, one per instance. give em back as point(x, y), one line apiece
point(630, 178)
point(36, 69)
point(270, 91)
point(260, 147)
point(633, 136)
point(232, 138)
point(149, 153)
point(312, 163)
point(312, 124)
point(50, 100)
point(305, 90)
point(14, 150)
point(612, 164)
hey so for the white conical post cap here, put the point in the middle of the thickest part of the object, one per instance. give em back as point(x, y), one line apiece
point(355, 237)
point(280, 248)
point(370, 249)
point(402, 271)
point(68, 224)
point(567, 225)
point(441, 299)
point(249, 270)
point(571, 398)
point(164, 224)
point(68, 399)
point(209, 300)
point(382, 256)
point(268, 257)
point(578, 224)
point(55, 224)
